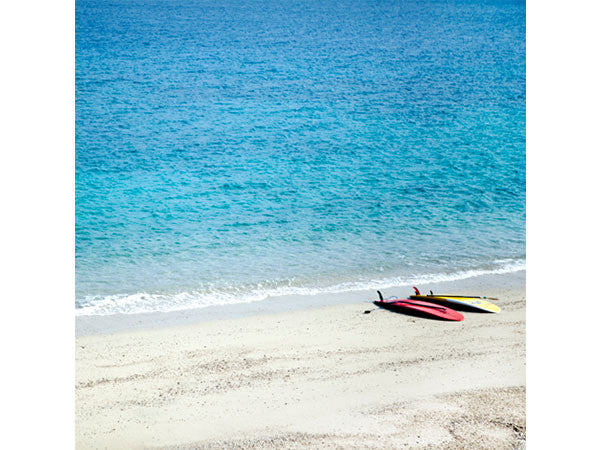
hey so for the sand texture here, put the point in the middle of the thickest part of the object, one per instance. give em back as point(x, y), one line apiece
point(328, 377)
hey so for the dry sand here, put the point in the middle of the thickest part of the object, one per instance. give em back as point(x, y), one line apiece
point(327, 377)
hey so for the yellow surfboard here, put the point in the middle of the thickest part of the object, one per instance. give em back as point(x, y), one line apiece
point(465, 302)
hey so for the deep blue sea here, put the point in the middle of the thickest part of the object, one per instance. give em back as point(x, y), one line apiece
point(230, 150)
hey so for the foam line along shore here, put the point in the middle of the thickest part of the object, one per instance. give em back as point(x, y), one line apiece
point(148, 303)
point(113, 323)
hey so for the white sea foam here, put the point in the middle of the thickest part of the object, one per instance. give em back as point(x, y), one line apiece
point(146, 302)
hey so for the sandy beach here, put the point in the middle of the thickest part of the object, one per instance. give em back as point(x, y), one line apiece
point(279, 375)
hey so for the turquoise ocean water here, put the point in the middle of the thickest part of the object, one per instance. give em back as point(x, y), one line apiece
point(228, 151)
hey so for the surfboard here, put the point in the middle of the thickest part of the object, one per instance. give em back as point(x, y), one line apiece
point(421, 308)
point(463, 303)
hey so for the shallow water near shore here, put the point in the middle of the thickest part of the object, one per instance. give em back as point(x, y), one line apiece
point(236, 152)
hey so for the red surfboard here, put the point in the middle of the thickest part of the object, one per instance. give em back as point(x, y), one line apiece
point(418, 307)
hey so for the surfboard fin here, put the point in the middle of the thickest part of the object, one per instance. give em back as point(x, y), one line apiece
point(416, 290)
point(380, 295)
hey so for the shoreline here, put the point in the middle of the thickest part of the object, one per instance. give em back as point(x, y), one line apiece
point(117, 323)
point(326, 376)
